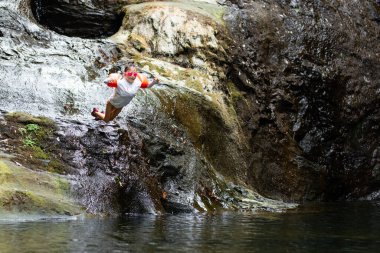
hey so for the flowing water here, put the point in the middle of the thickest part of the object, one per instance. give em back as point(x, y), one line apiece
point(337, 227)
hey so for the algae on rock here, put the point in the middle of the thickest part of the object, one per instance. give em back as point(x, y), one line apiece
point(31, 192)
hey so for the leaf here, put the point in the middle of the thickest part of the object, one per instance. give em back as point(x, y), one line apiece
point(32, 127)
point(29, 142)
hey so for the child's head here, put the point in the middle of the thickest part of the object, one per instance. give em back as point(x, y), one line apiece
point(130, 72)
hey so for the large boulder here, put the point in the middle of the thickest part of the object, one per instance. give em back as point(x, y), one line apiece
point(188, 33)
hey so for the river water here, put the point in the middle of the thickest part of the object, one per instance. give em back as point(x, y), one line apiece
point(337, 227)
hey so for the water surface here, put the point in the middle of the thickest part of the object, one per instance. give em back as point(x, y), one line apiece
point(338, 227)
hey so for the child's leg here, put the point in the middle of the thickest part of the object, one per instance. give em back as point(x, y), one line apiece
point(110, 114)
point(114, 112)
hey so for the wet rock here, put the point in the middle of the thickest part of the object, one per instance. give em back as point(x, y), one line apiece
point(327, 77)
point(86, 19)
point(114, 171)
point(24, 191)
point(193, 32)
point(53, 70)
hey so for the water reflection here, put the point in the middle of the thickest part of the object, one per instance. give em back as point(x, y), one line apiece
point(330, 228)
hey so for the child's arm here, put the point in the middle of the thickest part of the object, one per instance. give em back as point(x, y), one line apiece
point(155, 81)
point(112, 79)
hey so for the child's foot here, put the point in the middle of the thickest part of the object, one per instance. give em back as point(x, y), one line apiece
point(97, 118)
point(94, 111)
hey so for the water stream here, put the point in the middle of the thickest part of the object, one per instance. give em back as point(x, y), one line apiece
point(337, 227)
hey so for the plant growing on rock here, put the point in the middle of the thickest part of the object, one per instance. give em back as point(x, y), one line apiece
point(29, 142)
point(27, 132)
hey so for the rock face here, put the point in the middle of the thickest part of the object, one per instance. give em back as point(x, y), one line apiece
point(175, 148)
point(189, 34)
point(55, 75)
point(310, 72)
point(257, 97)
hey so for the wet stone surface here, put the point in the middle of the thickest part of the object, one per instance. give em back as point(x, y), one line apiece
point(310, 70)
point(115, 170)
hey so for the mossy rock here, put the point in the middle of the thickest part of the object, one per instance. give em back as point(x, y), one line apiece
point(185, 111)
point(24, 118)
point(5, 172)
point(208, 129)
point(32, 138)
point(4, 168)
point(26, 191)
point(39, 153)
point(30, 202)
point(234, 92)
point(56, 166)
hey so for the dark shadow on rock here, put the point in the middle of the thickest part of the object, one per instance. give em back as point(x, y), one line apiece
point(78, 19)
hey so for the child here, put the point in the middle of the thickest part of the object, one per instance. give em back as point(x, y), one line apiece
point(126, 87)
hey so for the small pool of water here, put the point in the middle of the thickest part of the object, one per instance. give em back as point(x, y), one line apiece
point(337, 227)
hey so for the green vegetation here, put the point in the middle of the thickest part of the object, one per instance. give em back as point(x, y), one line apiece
point(29, 133)
point(185, 111)
point(234, 92)
point(39, 153)
point(29, 142)
point(31, 138)
point(4, 168)
point(32, 128)
point(29, 192)
point(4, 171)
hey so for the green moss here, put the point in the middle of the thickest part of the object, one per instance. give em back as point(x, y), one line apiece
point(234, 92)
point(194, 83)
point(23, 201)
point(39, 153)
point(27, 191)
point(152, 67)
point(56, 166)
point(33, 134)
point(30, 202)
point(11, 199)
point(25, 118)
point(63, 185)
point(33, 142)
point(4, 168)
point(185, 111)
point(35, 200)
point(5, 172)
